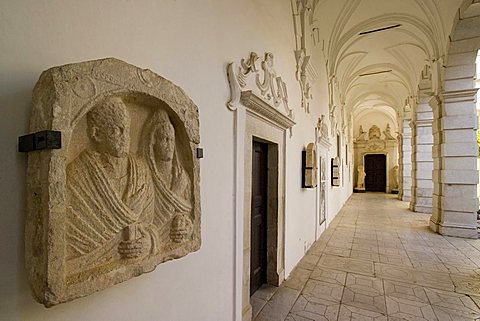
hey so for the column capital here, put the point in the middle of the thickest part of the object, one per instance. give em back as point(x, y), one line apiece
point(424, 98)
point(424, 123)
point(434, 102)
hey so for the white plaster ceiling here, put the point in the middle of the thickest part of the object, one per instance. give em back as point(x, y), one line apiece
point(402, 51)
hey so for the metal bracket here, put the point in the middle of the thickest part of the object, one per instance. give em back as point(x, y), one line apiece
point(199, 152)
point(47, 139)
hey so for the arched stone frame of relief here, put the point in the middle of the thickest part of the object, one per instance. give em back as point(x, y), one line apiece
point(455, 123)
point(62, 98)
point(257, 117)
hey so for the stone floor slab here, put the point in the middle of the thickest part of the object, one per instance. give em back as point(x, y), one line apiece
point(378, 261)
point(318, 291)
point(466, 284)
point(321, 310)
point(364, 292)
point(279, 305)
point(297, 279)
point(411, 292)
point(403, 309)
point(346, 264)
point(329, 276)
point(349, 313)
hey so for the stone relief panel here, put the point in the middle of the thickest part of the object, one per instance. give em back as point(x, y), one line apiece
point(323, 189)
point(310, 166)
point(123, 193)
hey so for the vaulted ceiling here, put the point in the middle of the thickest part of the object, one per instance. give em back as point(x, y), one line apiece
point(375, 50)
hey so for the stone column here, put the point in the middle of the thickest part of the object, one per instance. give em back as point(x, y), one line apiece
point(422, 161)
point(455, 172)
point(404, 163)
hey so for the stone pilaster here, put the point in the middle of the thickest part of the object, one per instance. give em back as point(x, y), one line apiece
point(422, 161)
point(405, 166)
point(455, 172)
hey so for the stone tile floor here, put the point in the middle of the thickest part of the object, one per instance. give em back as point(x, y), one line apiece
point(378, 261)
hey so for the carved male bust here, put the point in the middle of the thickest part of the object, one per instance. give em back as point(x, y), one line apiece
point(109, 195)
point(123, 193)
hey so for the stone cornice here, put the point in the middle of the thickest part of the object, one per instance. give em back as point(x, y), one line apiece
point(258, 106)
point(459, 95)
point(421, 123)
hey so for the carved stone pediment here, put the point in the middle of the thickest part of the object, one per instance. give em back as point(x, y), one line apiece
point(122, 195)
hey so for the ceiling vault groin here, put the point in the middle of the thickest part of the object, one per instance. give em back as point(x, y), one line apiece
point(375, 63)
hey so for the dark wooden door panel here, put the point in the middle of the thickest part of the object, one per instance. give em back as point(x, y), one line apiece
point(376, 173)
point(258, 244)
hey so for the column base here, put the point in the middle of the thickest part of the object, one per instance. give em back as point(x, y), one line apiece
point(421, 209)
point(456, 231)
point(434, 226)
point(359, 190)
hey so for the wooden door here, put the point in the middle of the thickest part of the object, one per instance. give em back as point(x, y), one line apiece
point(376, 173)
point(258, 245)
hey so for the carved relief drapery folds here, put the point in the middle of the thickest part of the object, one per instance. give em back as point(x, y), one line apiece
point(122, 195)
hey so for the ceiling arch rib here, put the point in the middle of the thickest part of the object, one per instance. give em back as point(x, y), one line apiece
point(346, 13)
point(432, 14)
point(349, 64)
point(420, 43)
point(378, 97)
point(376, 62)
point(386, 110)
point(396, 72)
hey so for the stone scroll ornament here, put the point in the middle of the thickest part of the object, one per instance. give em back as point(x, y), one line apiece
point(122, 195)
point(270, 87)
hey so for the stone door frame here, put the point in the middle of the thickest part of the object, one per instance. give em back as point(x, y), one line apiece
point(256, 119)
point(387, 171)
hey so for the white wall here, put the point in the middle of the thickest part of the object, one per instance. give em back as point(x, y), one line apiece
point(189, 42)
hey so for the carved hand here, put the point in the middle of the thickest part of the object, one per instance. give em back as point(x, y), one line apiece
point(131, 249)
point(180, 229)
point(135, 246)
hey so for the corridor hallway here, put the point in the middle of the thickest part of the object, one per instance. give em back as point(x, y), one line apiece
point(376, 260)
